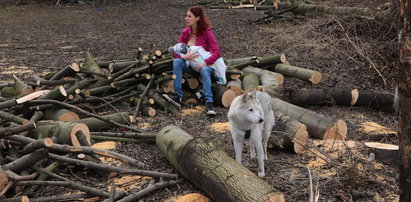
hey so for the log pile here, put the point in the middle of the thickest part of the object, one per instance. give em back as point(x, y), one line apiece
point(54, 119)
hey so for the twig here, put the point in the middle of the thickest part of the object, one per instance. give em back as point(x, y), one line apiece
point(148, 190)
point(112, 168)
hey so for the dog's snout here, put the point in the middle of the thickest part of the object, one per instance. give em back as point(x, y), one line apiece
point(261, 120)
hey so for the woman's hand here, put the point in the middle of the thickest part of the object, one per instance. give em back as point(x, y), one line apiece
point(198, 68)
point(190, 55)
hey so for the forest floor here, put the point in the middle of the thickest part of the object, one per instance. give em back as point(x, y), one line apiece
point(38, 37)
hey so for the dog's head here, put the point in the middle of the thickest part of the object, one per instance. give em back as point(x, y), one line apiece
point(249, 109)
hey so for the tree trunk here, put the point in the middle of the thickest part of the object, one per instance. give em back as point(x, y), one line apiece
point(212, 170)
point(304, 74)
point(318, 125)
point(404, 89)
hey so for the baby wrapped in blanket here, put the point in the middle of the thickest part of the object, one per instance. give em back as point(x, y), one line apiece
point(218, 66)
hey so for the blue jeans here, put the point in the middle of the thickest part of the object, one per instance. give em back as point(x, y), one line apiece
point(180, 66)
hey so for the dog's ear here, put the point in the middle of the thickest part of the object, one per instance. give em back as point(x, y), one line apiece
point(249, 94)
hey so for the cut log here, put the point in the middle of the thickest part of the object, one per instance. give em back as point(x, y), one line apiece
point(308, 97)
point(288, 134)
point(222, 95)
point(65, 132)
point(58, 93)
point(304, 74)
point(318, 125)
point(191, 83)
point(250, 81)
point(387, 153)
point(13, 118)
point(62, 115)
point(19, 88)
point(262, 73)
point(233, 73)
point(95, 124)
point(235, 85)
point(212, 170)
point(378, 101)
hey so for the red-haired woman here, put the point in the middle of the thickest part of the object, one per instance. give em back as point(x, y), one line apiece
point(198, 33)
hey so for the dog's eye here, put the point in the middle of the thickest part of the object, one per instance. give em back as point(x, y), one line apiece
point(250, 110)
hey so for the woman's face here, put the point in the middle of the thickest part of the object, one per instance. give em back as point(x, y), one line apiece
point(190, 19)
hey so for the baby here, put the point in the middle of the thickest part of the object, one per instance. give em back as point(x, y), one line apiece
point(219, 65)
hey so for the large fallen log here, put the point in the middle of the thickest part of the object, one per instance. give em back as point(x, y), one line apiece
point(379, 101)
point(318, 125)
point(212, 170)
point(306, 97)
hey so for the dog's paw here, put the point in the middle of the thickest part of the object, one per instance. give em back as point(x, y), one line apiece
point(261, 174)
point(252, 155)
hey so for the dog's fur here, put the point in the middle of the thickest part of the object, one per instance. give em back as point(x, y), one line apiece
point(251, 112)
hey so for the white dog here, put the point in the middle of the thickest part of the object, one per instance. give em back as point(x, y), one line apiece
point(251, 116)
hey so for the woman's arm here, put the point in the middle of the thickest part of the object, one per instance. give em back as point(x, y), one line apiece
point(213, 46)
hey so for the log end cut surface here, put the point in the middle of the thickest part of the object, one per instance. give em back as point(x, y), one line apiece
point(338, 131)
point(228, 97)
point(315, 78)
point(79, 127)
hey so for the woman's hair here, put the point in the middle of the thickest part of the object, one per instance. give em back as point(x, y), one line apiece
point(204, 22)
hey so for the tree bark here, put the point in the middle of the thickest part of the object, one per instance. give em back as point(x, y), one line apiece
point(262, 73)
point(26, 161)
point(212, 170)
point(309, 97)
point(404, 90)
point(250, 81)
point(318, 125)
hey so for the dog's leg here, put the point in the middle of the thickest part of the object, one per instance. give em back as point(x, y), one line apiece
point(256, 139)
point(252, 150)
point(238, 141)
point(266, 135)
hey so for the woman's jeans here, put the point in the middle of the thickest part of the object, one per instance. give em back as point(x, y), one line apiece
point(180, 66)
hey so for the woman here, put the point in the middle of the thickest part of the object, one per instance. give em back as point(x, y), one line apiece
point(198, 33)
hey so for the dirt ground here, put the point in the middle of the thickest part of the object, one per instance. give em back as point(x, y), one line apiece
point(37, 37)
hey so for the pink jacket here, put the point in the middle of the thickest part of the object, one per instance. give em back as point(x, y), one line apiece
point(205, 39)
